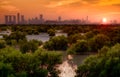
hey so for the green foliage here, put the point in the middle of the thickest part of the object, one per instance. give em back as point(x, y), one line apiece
point(56, 43)
point(30, 46)
point(15, 37)
point(80, 47)
point(50, 57)
point(15, 64)
point(5, 69)
point(98, 41)
point(21, 74)
point(2, 44)
point(105, 64)
point(90, 34)
point(51, 32)
point(74, 38)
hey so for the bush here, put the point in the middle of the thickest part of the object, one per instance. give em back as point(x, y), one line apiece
point(51, 32)
point(90, 34)
point(5, 69)
point(80, 47)
point(56, 43)
point(98, 41)
point(75, 37)
point(2, 44)
point(30, 46)
point(15, 64)
point(104, 64)
point(15, 37)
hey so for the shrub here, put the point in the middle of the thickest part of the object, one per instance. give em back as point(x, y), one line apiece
point(2, 44)
point(30, 46)
point(56, 43)
point(98, 41)
point(51, 32)
point(79, 47)
point(104, 64)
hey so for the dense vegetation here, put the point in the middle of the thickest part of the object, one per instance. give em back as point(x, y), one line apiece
point(104, 64)
point(56, 43)
point(22, 58)
point(13, 63)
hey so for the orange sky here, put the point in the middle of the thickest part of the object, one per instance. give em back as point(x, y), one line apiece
point(67, 9)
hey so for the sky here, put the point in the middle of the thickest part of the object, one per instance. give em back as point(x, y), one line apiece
point(67, 9)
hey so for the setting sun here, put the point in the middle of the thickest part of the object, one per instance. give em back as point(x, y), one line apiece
point(104, 20)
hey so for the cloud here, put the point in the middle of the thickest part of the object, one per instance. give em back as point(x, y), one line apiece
point(4, 2)
point(113, 13)
point(6, 5)
point(9, 8)
point(117, 5)
point(91, 1)
point(56, 3)
point(71, 3)
point(108, 14)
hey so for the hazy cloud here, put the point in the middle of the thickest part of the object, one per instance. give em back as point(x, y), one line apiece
point(6, 5)
point(71, 3)
point(92, 1)
point(4, 2)
point(118, 5)
point(56, 3)
point(9, 8)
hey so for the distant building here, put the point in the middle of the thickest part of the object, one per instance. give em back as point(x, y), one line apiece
point(41, 19)
point(18, 18)
point(10, 19)
point(14, 19)
point(22, 19)
point(59, 19)
point(6, 19)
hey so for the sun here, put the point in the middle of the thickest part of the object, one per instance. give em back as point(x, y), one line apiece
point(104, 20)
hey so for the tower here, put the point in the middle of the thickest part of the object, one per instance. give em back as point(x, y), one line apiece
point(18, 18)
point(22, 19)
point(14, 19)
point(59, 18)
point(87, 19)
point(6, 19)
point(41, 16)
point(10, 19)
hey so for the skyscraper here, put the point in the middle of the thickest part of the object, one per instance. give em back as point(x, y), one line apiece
point(41, 18)
point(59, 18)
point(10, 19)
point(14, 19)
point(22, 19)
point(6, 19)
point(18, 18)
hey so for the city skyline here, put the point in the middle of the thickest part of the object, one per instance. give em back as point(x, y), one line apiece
point(20, 19)
point(67, 9)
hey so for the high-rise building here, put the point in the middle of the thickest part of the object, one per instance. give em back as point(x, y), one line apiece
point(87, 20)
point(14, 19)
point(6, 19)
point(10, 19)
point(22, 19)
point(59, 18)
point(41, 18)
point(18, 18)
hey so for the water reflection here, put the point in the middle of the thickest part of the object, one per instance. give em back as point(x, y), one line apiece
point(42, 36)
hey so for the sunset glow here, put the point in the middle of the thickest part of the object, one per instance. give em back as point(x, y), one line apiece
point(68, 9)
point(104, 20)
